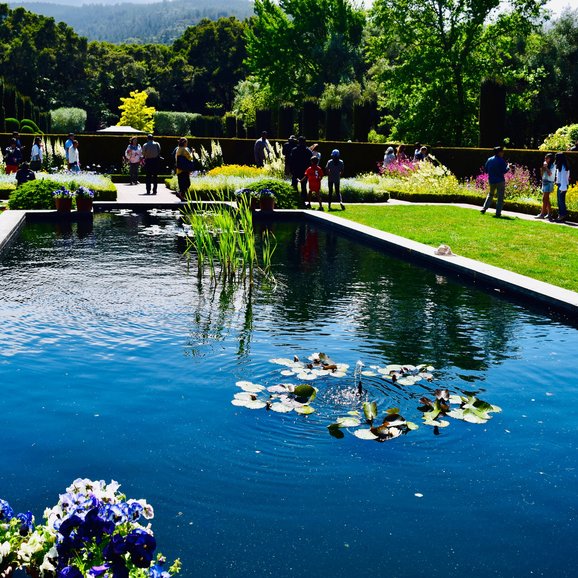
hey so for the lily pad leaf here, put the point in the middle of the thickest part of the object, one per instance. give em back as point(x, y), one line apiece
point(392, 410)
point(408, 380)
point(305, 391)
point(364, 434)
point(354, 413)
point(411, 426)
point(277, 389)
point(456, 413)
point(249, 404)
point(348, 422)
point(457, 399)
point(436, 423)
point(368, 373)
point(306, 376)
point(473, 418)
point(249, 386)
point(280, 407)
point(305, 410)
point(337, 373)
point(287, 372)
point(370, 410)
point(245, 395)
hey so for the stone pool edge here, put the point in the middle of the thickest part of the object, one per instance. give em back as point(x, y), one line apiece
point(507, 282)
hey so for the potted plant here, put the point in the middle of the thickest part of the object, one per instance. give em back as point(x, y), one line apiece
point(84, 198)
point(63, 200)
point(267, 200)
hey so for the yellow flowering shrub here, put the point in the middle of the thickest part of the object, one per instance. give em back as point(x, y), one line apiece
point(236, 171)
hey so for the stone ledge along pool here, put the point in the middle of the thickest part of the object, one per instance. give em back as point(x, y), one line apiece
point(119, 360)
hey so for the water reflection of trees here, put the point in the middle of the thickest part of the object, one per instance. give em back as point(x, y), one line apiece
point(410, 313)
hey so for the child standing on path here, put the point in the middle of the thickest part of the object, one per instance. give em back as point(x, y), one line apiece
point(548, 177)
point(334, 170)
point(314, 174)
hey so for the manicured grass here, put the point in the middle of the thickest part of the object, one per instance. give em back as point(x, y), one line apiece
point(540, 250)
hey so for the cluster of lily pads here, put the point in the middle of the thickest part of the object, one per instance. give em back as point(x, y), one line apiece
point(462, 407)
point(287, 397)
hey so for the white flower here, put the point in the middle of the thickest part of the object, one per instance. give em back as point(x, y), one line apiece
point(4, 550)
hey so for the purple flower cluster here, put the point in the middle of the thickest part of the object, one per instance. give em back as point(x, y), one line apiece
point(519, 182)
point(26, 520)
point(84, 193)
point(62, 193)
point(397, 168)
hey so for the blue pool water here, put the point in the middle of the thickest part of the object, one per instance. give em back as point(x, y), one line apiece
point(115, 363)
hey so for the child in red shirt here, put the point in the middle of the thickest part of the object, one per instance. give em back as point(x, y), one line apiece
point(314, 174)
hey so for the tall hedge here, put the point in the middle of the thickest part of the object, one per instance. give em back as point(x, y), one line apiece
point(264, 122)
point(285, 121)
point(310, 119)
point(333, 123)
point(492, 117)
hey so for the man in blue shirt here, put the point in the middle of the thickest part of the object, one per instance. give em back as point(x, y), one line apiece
point(496, 167)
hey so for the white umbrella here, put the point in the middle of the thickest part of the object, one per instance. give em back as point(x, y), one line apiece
point(121, 130)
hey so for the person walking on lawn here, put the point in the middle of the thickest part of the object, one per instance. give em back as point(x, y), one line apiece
point(496, 167)
point(314, 174)
point(334, 170)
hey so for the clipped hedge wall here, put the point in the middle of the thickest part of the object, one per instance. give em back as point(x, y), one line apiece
point(108, 150)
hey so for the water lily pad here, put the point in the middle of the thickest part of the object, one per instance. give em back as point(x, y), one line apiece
point(244, 395)
point(306, 375)
point(305, 410)
point(411, 426)
point(304, 390)
point(473, 418)
point(277, 389)
point(364, 434)
point(457, 399)
point(436, 423)
point(456, 413)
point(280, 407)
point(287, 372)
point(282, 361)
point(337, 373)
point(354, 413)
point(370, 410)
point(249, 404)
point(407, 380)
point(391, 368)
point(249, 386)
point(348, 422)
point(368, 373)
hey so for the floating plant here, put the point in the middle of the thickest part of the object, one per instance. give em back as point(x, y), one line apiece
point(401, 374)
point(280, 398)
point(318, 365)
point(466, 408)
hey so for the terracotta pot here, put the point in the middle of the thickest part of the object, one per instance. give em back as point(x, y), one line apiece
point(267, 203)
point(254, 204)
point(83, 205)
point(63, 205)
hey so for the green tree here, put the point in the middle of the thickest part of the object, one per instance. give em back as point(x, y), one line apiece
point(216, 51)
point(430, 57)
point(136, 113)
point(298, 46)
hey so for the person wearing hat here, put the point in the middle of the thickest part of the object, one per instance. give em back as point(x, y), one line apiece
point(151, 152)
point(334, 170)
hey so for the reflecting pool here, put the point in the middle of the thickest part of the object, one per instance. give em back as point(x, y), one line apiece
point(116, 362)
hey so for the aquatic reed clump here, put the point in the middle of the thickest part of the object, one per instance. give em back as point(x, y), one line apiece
point(223, 234)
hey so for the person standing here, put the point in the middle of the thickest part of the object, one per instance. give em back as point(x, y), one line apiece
point(334, 169)
point(562, 180)
point(287, 148)
point(262, 149)
point(389, 157)
point(183, 172)
point(74, 157)
point(314, 174)
point(133, 155)
point(37, 154)
point(68, 144)
point(12, 157)
point(496, 167)
point(300, 160)
point(151, 151)
point(548, 171)
point(401, 155)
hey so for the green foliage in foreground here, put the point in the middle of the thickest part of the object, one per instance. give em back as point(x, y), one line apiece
point(34, 195)
point(536, 249)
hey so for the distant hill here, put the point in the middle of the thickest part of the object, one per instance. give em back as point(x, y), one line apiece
point(142, 22)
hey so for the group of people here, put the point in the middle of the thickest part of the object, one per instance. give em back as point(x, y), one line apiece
point(24, 171)
point(302, 163)
point(554, 172)
point(149, 157)
point(421, 153)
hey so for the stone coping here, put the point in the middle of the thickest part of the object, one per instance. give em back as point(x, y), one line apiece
point(551, 297)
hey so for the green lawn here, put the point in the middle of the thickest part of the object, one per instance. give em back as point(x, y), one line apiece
point(540, 250)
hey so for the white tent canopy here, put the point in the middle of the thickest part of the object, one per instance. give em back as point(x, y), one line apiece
point(121, 130)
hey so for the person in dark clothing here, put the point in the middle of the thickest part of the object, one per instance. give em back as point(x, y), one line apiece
point(496, 167)
point(24, 174)
point(300, 160)
point(287, 148)
point(12, 157)
point(152, 157)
